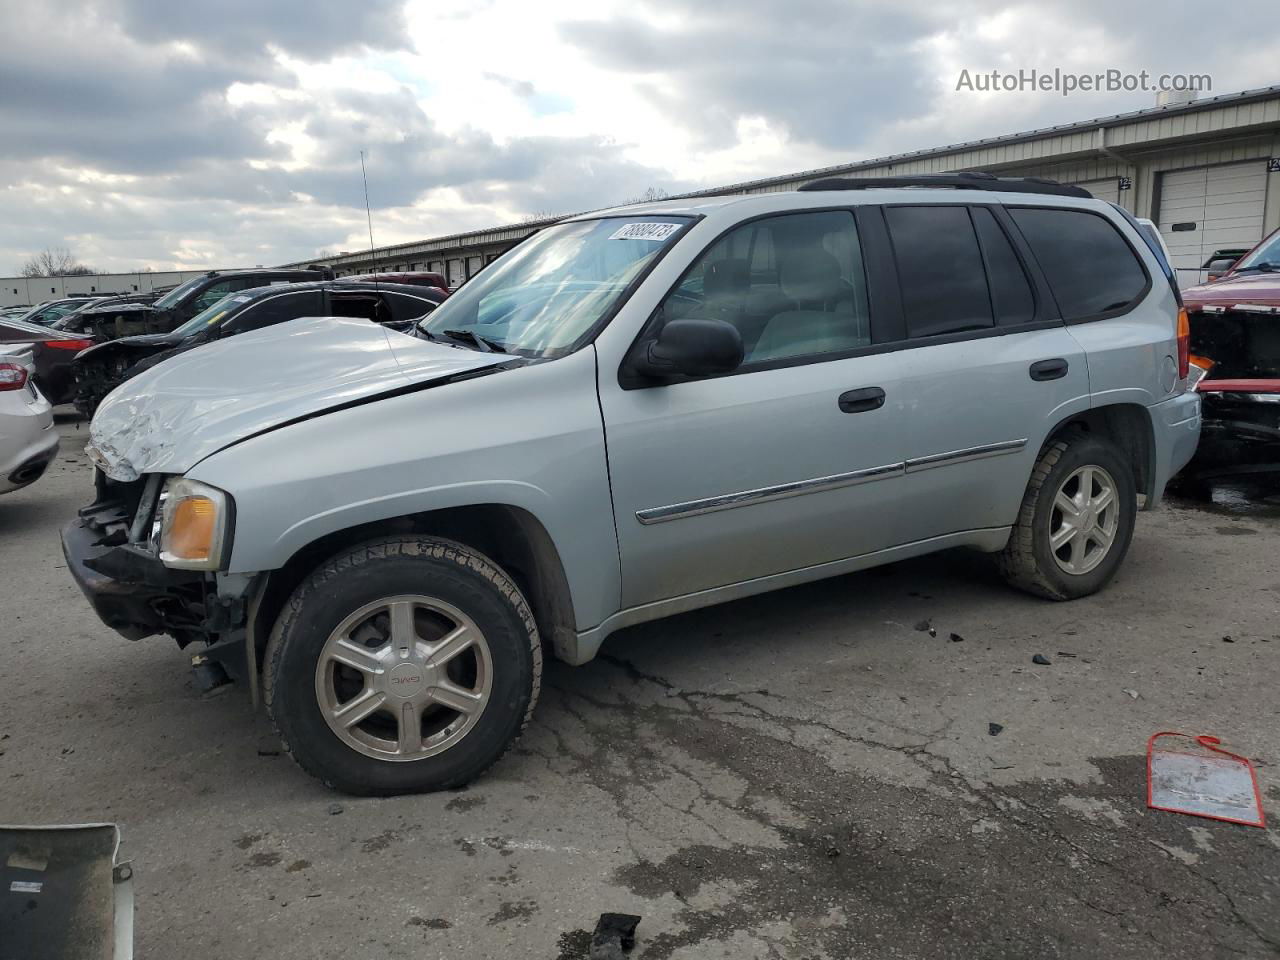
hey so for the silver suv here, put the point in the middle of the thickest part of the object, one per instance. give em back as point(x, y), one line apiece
point(632, 414)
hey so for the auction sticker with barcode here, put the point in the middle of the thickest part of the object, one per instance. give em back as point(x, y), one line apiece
point(645, 231)
point(25, 886)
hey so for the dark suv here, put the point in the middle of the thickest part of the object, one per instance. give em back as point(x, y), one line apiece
point(101, 368)
point(122, 318)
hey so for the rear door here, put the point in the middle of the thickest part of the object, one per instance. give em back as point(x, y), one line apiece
point(987, 366)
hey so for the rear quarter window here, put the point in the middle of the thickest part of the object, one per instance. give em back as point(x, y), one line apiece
point(940, 271)
point(1090, 267)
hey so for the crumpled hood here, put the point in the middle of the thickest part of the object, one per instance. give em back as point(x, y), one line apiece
point(140, 341)
point(1261, 288)
point(169, 418)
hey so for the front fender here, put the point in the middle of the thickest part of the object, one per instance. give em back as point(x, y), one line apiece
point(529, 437)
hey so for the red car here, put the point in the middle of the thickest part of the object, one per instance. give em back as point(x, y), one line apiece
point(1235, 337)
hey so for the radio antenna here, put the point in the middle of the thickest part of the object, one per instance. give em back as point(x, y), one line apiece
point(373, 257)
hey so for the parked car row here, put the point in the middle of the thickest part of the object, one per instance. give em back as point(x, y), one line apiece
point(101, 368)
point(631, 414)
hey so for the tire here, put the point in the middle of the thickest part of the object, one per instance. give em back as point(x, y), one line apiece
point(1028, 560)
point(448, 590)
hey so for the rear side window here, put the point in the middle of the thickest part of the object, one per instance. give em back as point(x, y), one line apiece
point(272, 310)
point(405, 308)
point(1011, 296)
point(1090, 268)
point(944, 286)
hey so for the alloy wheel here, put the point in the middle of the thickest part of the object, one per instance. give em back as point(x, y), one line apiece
point(404, 678)
point(1084, 521)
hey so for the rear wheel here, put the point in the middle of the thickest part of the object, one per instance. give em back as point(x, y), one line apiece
point(405, 665)
point(1076, 519)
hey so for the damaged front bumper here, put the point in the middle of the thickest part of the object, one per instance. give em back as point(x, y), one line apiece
point(111, 554)
point(1241, 434)
point(131, 591)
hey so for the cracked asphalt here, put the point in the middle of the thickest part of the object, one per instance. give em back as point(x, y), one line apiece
point(807, 774)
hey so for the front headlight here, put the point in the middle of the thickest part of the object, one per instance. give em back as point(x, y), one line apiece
point(194, 524)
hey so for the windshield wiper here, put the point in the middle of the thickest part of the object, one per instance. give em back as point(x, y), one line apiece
point(484, 344)
point(1260, 268)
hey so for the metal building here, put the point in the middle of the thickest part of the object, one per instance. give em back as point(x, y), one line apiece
point(15, 290)
point(1206, 171)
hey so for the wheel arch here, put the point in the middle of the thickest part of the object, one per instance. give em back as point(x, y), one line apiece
point(1129, 426)
point(510, 536)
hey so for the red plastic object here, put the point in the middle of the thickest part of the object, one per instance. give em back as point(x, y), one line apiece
point(1186, 780)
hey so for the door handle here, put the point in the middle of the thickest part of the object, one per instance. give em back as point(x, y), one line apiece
point(860, 401)
point(1054, 369)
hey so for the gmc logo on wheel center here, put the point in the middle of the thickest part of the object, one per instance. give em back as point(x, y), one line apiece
point(413, 679)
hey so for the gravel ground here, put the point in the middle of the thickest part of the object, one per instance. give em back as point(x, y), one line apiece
point(805, 774)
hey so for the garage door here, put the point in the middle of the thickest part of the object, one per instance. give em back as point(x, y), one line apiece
point(1208, 208)
point(1108, 189)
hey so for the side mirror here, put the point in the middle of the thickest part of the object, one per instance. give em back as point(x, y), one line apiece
point(690, 348)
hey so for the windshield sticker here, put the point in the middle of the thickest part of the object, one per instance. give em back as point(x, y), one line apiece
point(645, 231)
point(216, 317)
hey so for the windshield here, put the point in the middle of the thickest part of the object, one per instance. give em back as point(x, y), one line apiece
point(210, 315)
point(541, 298)
point(47, 315)
point(178, 293)
point(1266, 255)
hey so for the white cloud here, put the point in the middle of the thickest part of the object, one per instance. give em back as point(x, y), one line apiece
point(155, 137)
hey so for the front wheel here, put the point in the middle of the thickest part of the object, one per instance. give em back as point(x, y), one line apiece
point(1076, 520)
point(405, 665)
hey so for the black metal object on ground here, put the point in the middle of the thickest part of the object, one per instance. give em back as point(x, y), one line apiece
point(615, 935)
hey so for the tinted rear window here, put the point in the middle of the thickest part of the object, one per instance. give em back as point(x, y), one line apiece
point(944, 287)
point(1090, 268)
point(1011, 295)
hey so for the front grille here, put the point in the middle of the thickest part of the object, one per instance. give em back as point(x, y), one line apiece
point(1243, 344)
point(113, 510)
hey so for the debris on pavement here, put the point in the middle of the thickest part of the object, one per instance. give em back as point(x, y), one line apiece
point(69, 893)
point(956, 638)
point(1195, 776)
point(1041, 660)
point(615, 934)
point(926, 626)
point(1133, 694)
point(335, 809)
point(1227, 639)
point(994, 729)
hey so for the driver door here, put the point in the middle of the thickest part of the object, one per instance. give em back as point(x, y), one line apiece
point(792, 461)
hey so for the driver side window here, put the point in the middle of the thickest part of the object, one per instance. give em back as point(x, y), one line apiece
point(793, 286)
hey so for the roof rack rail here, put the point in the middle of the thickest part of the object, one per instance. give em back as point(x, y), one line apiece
point(967, 180)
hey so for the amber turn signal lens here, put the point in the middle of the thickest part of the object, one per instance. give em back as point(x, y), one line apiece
point(192, 529)
point(1184, 343)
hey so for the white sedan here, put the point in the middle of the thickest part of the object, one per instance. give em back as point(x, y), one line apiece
point(28, 440)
